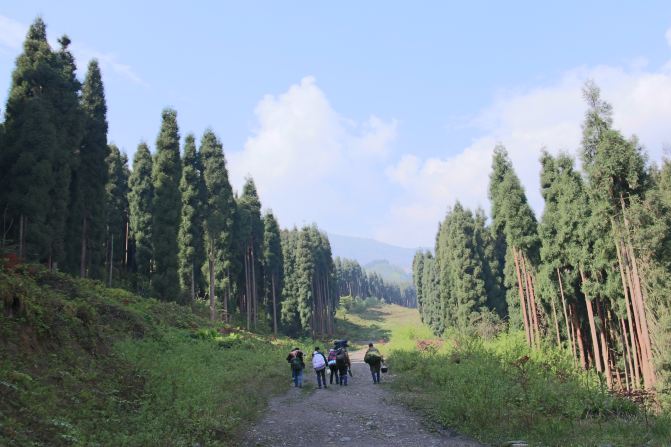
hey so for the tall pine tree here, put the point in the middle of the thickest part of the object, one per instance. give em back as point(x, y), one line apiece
point(166, 209)
point(190, 238)
point(140, 204)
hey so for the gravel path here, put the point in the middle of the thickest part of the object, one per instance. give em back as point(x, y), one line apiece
point(361, 414)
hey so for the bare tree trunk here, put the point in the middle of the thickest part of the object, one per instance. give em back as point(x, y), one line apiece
point(272, 285)
point(533, 321)
point(111, 258)
point(125, 256)
point(573, 337)
point(639, 301)
point(592, 327)
point(554, 313)
point(632, 333)
point(569, 332)
point(628, 364)
point(578, 337)
point(248, 290)
point(255, 298)
point(605, 353)
point(213, 302)
point(523, 303)
point(193, 282)
point(640, 347)
point(82, 256)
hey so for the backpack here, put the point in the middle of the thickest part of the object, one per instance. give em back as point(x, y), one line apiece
point(373, 357)
point(296, 363)
point(340, 355)
point(332, 358)
point(318, 362)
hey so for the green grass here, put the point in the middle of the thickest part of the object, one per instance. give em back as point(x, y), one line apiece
point(81, 364)
point(490, 390)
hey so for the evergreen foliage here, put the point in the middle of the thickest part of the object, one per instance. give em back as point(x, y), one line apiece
point(190, 238)
point(166, 208)
point(140, 205)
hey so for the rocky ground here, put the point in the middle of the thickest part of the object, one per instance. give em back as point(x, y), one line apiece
point(360, 414)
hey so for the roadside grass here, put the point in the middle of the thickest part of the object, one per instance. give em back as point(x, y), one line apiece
point(81, 364)
point(497, 390)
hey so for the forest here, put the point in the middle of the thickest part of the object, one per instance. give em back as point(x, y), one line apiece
point(591, 276)
point(172, 227)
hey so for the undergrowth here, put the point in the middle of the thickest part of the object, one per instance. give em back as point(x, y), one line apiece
point(498, 391)
point(81, 364)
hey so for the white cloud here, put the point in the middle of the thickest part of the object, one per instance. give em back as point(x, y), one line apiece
point(525, 121)
point(309, 162)
point(13, 33)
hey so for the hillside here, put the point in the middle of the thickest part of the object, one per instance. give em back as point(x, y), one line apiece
point(365, 250)
point(82, 364)
point(389, 272)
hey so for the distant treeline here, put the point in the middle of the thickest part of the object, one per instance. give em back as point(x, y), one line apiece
point(593, 276)
point(355, 281)
point(172, 227)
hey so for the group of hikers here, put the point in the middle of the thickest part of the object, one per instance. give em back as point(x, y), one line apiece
point(337, 361)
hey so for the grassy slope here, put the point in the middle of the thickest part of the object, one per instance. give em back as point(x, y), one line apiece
point(81, 364)
point(490, 390)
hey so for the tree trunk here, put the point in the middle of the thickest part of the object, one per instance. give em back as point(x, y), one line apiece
point(82, 255)
point(111, 264)
point(640, 347)
point(554, 313)
point(628, 364)
point(248, 291)
point(213, 303)
point(605, 353)
point(193, 282)
point(272, 285)
point(523, 303)
point(639, 300)
point(255, 298)
point(125, 255)
point(578, 337)
point(592, 327)
point(632, 334)
point(533, 319)
point(569, 332)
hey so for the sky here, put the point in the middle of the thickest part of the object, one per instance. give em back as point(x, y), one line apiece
point(368, 118)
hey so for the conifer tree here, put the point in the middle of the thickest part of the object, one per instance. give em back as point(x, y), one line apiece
point(273, 260)
point(251, 236)
point(31, 140)
point(87, 211)
point(218, 216)
point(512, 217)
point(166, 175)
point(116, 212)
point(140, 205)
point(68, 118)
point(191, 251)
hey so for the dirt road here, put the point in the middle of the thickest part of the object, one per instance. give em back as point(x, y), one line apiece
point(360, 414)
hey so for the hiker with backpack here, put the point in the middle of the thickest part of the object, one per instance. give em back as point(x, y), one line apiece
point(343, 364)
point(333, 367)
point(374, 360)
point(319, 364)
point(295, 359)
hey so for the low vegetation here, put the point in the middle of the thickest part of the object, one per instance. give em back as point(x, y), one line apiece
point(81, 364)
point(498, 390)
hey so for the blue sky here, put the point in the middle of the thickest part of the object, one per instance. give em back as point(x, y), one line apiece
point(368, 119)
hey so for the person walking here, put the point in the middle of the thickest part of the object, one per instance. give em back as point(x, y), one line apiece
point(319, 364)
point(374, 360)
point(333, 367)
point(295, 359)
point(343, 364)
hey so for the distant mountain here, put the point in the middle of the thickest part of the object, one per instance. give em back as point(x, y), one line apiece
point(389, 272)
point(365, 251)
